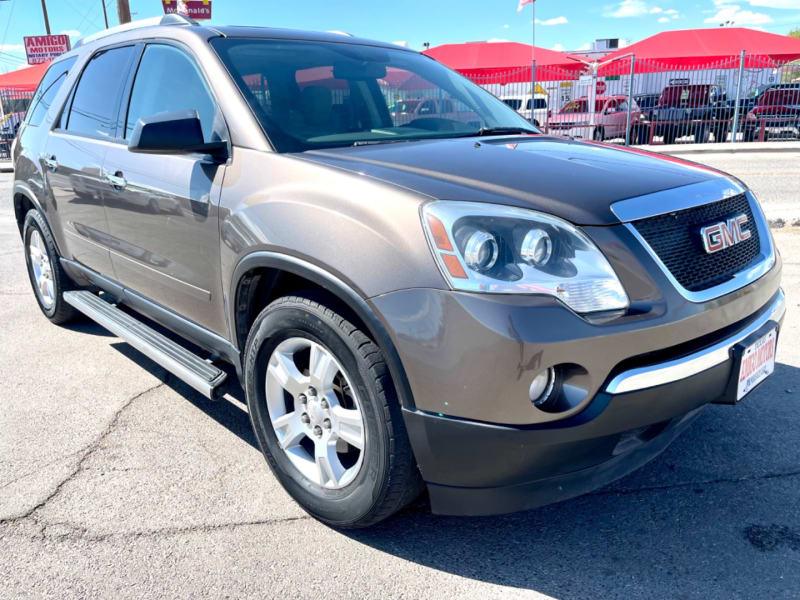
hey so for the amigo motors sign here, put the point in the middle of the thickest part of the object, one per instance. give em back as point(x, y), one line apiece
point(196, 9)
point(44, 48)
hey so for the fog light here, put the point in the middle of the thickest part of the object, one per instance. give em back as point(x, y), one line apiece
point(542, 386)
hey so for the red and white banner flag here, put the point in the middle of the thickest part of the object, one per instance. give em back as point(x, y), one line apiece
point(522, 4)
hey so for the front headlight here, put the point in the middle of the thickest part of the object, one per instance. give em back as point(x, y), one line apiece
point(506, 250)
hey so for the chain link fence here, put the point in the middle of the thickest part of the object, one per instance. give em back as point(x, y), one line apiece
point(14, 105)
point(639, 101)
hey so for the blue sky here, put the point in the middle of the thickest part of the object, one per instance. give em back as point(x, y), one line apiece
point(562, 25)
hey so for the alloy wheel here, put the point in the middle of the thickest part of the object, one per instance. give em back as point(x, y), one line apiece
point(315, 412)
point(42, 270)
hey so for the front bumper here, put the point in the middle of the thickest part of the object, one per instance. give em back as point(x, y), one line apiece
point(475, 468)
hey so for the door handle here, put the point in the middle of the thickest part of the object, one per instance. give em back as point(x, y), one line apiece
point(116, 180)
point(50, 162)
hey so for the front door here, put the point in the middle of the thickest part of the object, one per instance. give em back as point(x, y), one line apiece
point(74, 155)
point(163, 209)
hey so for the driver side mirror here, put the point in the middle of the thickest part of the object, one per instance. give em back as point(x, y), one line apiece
point(177, 132)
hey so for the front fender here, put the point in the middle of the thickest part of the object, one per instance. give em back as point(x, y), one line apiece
point(343, 291)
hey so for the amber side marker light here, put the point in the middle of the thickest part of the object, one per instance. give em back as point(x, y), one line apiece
point(440, 236)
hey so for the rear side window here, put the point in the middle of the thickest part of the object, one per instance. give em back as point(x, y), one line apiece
point(47, 90)
point(167, 80)
point(96, 99)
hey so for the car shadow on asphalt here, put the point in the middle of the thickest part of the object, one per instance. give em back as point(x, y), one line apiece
point(228, 411)
point(691, 521)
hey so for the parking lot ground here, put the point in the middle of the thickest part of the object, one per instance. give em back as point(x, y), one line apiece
point(116, 480)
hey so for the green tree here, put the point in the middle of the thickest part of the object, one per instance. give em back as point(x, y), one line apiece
point(794, 33)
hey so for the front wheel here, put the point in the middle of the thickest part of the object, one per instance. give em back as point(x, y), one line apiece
point(48, 279)
point(326, 416)
point(598, 136)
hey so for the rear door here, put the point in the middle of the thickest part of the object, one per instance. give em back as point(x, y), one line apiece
point(74, 154)
point(163, 213)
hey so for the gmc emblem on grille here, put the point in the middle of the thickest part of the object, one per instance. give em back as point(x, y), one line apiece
point(725, 234)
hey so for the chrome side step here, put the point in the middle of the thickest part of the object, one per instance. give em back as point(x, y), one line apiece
point(196, 372)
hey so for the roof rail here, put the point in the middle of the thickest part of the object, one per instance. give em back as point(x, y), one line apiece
point(172, 19)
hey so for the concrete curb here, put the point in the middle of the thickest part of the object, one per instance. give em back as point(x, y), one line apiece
point(726, 148)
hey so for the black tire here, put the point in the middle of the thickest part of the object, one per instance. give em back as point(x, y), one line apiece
point(598, 135)
point(388, 479)
point(721, 135)
point(670, 135)
point(59, 311)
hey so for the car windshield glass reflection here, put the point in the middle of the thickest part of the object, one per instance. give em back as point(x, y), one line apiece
point(310, 95)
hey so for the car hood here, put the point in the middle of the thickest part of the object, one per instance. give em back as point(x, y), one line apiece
point(577, 181)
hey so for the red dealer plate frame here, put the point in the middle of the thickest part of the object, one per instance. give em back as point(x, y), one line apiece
point(757, 363)
point(748, 369)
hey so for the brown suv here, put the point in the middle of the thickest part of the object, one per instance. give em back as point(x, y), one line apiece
point(454, 301)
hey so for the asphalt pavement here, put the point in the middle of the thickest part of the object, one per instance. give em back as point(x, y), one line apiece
point(118, 481)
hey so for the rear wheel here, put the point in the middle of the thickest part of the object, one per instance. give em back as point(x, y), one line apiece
point(598, 135)
point(326, 415)
point(48, 279)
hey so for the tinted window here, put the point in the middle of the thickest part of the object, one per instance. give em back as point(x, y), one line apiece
point(167, 80)
point(48, 88)
point(95, 101)
point(325, 94)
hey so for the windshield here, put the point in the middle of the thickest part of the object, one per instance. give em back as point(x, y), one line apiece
point(581, 106)
point(780, 98)
point(310, 95)
point(685, 95)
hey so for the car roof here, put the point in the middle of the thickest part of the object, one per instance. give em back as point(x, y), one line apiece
point(276, 33)
point(174, 26)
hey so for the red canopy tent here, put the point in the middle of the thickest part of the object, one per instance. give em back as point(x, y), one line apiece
point(700, 48)
point(501, 59)
point(23, 80)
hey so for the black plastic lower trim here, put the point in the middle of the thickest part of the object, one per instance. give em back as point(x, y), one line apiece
point(474, 468)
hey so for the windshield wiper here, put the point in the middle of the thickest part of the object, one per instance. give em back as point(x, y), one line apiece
point(502, 131)
point(389, 141)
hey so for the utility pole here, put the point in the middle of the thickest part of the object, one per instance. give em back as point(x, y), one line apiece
point(105, 12)
point(46, 20)
point(123, 11)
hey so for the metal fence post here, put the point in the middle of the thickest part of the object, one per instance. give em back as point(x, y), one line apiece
point(738, 95)
point(533, 91)
point(630, 105)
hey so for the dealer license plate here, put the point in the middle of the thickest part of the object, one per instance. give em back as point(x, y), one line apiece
point(758, 363)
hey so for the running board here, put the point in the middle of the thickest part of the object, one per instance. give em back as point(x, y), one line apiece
point(196, 372)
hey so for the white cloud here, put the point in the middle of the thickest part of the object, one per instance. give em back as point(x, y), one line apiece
point(497, 40)
point(554, 21)
point(674, 16)
point(664, 20)
point(558, 47)
point(789, 4)
point(403, 43)
point(733, 12)
point(671, 11)
point(586, 46)
point(71, 33)
point(625, 9)
point(12, 48)
point(506, 26)
point(655, 10)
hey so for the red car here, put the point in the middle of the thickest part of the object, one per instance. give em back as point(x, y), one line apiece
point(610, 118)
point(777, 111)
